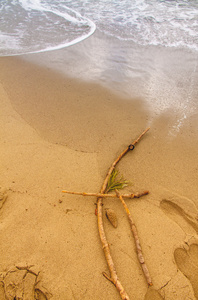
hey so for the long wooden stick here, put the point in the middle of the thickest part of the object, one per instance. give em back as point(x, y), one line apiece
point(130, 147)
point(129, 196)
point(105, 245)
point(137, 241)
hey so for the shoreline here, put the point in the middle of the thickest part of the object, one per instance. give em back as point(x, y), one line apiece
point(59, 106)
point(165, 79)
point(56, 232)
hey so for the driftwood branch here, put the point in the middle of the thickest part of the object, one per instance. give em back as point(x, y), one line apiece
point(129, 196)
point(129, 148)
point(113, 275)
point(137, 241)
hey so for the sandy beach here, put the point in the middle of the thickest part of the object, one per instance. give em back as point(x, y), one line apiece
point(60, 132)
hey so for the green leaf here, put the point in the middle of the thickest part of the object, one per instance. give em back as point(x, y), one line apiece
point(116, 183)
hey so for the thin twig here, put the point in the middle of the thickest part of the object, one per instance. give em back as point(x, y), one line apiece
point(129, 148)
point(137, 241)
point(129, 196)
point(105, 245)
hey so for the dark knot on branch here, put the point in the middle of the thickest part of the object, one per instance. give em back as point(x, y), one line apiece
point(131, 147)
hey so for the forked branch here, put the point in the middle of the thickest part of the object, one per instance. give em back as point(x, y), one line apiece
point(113, 275)
point(105, 245)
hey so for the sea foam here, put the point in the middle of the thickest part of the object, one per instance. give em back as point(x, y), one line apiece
point(40, 25)
point(29, 26)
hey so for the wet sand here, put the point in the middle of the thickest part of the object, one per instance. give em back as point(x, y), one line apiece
point(58, 132)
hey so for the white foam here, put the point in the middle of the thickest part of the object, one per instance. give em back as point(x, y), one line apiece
point(57, 47)
point(31, 4)
point(87, 27)
point(145, 22)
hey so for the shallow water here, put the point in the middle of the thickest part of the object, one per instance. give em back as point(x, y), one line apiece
point(145, 22)
point(32, 26)
point(143, 50)
point(166, 79)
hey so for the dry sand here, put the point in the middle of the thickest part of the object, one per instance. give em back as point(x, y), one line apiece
point(58, 133)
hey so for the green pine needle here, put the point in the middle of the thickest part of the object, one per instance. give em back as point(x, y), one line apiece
point(116, 183)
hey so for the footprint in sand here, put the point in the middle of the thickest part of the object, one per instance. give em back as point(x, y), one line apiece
point(153, 294)
point(186, 219)
point(187, 262)
point(185, 214)
point(22, 282)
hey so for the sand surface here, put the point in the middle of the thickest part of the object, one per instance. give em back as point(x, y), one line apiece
point(59, 133)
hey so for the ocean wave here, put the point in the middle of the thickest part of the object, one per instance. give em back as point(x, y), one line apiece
point(29, 26)
point(169, 23)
